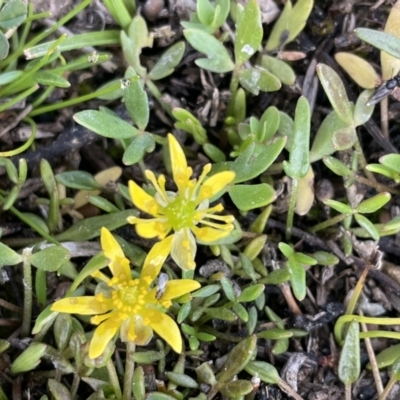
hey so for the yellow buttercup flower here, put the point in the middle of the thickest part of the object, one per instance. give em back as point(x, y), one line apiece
point(183, 211)
point(129, 305)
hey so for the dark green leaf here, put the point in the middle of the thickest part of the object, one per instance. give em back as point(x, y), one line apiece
point(237, 359)
point(248, 197)
point(264, 370)
point(140, 145)
point(381, 40)
point(105, 124)
point(168, 61)
point(249, 31)
point(218, 59)
point(136, 101)
point(256, 79)
point(13, 14)
point(77, 180)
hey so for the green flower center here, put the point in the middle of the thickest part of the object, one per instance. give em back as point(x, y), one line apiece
point(130, 297)
point(180, 213)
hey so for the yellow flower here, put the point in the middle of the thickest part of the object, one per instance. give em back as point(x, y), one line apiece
point(181, 212)
point(130, 305)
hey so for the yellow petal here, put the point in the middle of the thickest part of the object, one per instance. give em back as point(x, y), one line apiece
point(215, 184)
point(166, 327)
point(142, 332)
point(183, 249)
point(141, 199)
point(179, 287)
point(119, 264)
point(152, 228)
point(180, 171)
point(210, 235)
point(85, 305)
point(156, 257)
point(102, 335)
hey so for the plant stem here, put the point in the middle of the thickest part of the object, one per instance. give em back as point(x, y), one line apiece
point(27, 315)
point(372, 359)
point(387, 389)
point(376, 185)
point(112, 373)
point(292, 205)
point(329, 222)
point(129, 369)
point(348, 391)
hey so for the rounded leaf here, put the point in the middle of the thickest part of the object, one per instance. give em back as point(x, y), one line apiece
point(248, 197)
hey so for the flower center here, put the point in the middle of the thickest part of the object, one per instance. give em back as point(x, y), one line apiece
point(130, 297)
point(180, 213)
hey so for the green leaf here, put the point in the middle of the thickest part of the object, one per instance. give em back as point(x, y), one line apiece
point(105, 124)
point(89, 228)
point(49, 78)
point(237, 359)
point(299, 161)
point(274, 334)
point(336, 92)
point(13, 14)
point(205, 12)
point(168, 61)
point(252, 163)
point(374, 203)
point(136, 101)
point(336, 166)
point(227, 287)
point(304, 259)
point(340, 207)
point(279, 68)
point(221, 313)
point(101, 38)
point(277, 277)
point(234, 389)
point(222, 8)
point(96, 263)
point(267, 372)
point(286, 250)
point(29, 359)
point(11, 76)
point(251, 293)
point(383, 170)
point(367, 225)
point(363, 112)
point(8, 256)
point(386, 357)
point(181, 379)
point(218, 59)
point(189, 123)
point(248, 197)
point(249, 31)
point(50, 259)
point(256, 79)
point(391, 161)
point(290, 23)
point(325, 258)
point(78, 180)
point(323, 141)
point(4, 46)
point(271, 120)
point(214, 153)
point(349, 362)
point(298, 279)
point(140, 145)
point(381, 40)
point(206, 291)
